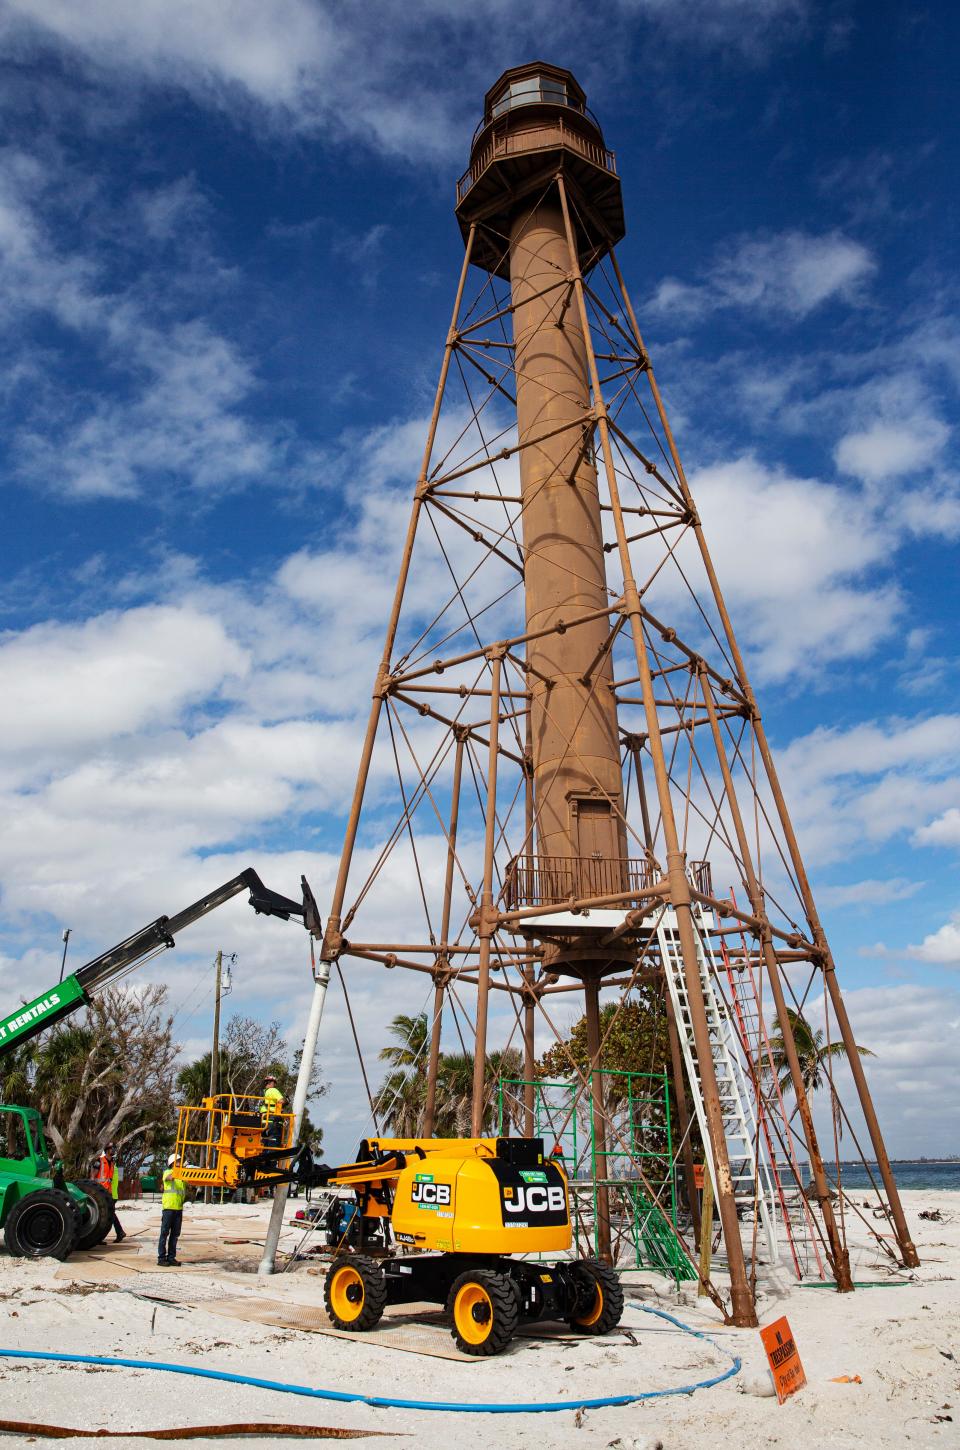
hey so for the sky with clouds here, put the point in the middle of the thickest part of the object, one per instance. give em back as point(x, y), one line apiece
point(227, 259)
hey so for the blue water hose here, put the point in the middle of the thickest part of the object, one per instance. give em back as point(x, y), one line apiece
point(387, 1402)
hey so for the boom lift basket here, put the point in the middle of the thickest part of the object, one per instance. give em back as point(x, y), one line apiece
point(217, 1138)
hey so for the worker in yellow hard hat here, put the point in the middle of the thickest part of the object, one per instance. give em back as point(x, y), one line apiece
point(271, 1107)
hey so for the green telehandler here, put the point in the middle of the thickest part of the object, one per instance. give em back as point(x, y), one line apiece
point(41, 1214)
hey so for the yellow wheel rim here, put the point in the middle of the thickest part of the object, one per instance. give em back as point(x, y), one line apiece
point(346, 1294)
point(587, 1319)
point(473, 1313)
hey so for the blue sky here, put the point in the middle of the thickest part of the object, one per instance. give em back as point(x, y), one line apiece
point(227, 259)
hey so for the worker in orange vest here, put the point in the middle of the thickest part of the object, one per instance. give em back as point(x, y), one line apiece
point(108, 1176)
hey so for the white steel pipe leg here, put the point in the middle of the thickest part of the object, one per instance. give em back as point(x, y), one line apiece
point(321, 983)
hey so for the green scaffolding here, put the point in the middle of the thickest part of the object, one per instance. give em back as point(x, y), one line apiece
point(643, 1214)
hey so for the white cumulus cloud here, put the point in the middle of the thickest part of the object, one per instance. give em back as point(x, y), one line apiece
point(74, 685)
point(787, 274)
point(859, 787)
point(868, 892)
point(886, 450)
point(914, 1033)
point(943, 831)
point(797, 564)
point(344, 71)
point(942, 945)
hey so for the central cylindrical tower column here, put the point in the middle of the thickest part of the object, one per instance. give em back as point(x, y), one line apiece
point(536, 128)
point(575, 741)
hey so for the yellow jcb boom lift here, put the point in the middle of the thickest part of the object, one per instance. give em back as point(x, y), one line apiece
point(441, 1220)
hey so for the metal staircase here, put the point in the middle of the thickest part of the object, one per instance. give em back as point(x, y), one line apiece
point(749, 1169)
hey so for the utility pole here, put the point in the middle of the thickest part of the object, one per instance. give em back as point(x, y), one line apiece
point(215, 1050)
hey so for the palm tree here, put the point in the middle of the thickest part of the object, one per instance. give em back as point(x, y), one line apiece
point(193, 1080)
point(503, 1067)
point(17, 1075)
point(454, 1095)
point(16, 1086)
point(400, 1102)
point(411, 1035)
point(62, 1064)
point(401, 1099)
point(402, 1094)
point(812, 1050)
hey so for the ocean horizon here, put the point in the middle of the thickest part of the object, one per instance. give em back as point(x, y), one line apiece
point(909, 1173)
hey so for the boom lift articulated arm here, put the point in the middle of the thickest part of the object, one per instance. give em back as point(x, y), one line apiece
point(270, 1167)
point(75, 991)
point(373, 1165)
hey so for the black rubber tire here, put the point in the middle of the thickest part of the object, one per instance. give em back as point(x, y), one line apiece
point(42, 1225)
point(368, 1281)
point(97, 1214)
point(607, 1307)
point(501, 1305)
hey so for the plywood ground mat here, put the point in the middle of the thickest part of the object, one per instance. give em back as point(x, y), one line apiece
point(424, 1333)
point(413, 1329)
point(414, 1333)
point(91, 1270)
point(199, 1249)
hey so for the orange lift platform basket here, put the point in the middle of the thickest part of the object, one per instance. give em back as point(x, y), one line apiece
point(218, 1138)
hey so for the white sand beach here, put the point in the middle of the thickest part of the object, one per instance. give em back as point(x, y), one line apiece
point(901, 1339)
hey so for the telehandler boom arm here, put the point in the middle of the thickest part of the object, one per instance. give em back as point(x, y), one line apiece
point(75, 991)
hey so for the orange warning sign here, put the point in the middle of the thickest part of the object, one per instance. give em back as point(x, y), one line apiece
point(698, 1175)
point(785, 1366)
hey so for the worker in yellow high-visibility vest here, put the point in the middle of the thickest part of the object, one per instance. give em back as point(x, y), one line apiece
point(271, 1107)
point(171, 1214)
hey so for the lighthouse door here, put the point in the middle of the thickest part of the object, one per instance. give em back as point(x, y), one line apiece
point(596, 835)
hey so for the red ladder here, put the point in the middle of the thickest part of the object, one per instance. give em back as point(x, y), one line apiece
point(752, 1031)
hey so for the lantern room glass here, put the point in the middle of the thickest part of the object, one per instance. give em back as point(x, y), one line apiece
point(530, 90)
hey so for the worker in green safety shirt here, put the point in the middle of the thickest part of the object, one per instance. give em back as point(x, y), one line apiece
point(171, 1214)
point(270, 1109)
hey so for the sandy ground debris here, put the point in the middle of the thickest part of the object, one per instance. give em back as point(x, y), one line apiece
point(902, 1340)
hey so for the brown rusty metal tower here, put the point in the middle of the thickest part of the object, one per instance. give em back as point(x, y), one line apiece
point(566, 759)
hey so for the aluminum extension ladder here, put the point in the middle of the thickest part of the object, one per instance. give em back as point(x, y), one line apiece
point(752, 1183)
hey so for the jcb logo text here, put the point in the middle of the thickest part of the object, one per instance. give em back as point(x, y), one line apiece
point(438, 1193)
point(532, 1198)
